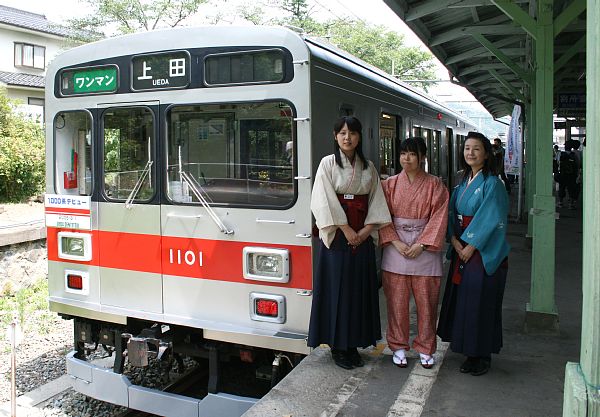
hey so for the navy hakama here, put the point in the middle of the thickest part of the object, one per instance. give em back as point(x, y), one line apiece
point(471, 313)
point(345, 304)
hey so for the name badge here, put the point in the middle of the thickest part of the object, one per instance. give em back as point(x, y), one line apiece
point(348, 196)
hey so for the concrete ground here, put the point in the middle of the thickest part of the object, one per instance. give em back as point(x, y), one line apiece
point(526, 378)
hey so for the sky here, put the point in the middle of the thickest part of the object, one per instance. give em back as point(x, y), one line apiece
point(371, 11)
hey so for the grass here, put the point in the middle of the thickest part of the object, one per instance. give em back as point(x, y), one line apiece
point(29, 305)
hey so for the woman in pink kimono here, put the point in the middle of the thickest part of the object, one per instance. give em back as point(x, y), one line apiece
point(412, 254)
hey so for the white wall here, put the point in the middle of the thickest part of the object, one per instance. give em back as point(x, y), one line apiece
point(9, 35)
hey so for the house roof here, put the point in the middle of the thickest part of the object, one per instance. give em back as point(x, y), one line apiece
point(32, 21)
point(22, 80)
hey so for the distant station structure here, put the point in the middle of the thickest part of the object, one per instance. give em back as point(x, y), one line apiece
point(532, 54)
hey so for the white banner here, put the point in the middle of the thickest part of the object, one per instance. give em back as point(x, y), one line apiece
point(512, 156)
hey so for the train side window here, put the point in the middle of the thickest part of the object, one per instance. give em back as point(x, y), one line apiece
point(346, 110)
point(388, 135)
point(238, 154)
point(427, 135)
point(128, 135)
point(416, 131)
point(247, 67)
point(435, 152)
point(73, 153)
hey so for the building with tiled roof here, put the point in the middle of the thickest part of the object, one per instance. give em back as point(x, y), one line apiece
point(28, 42)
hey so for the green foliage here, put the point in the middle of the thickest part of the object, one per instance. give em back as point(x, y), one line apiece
point(118, 17)
point(24, 303)
point(22, 155)
point(373, 44)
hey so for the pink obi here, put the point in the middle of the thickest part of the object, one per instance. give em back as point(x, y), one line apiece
point(429, 263)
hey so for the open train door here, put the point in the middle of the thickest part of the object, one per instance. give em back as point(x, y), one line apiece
point(129, 211)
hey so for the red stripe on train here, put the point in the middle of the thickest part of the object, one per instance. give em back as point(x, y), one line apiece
point(64, 210)
point(192, 258)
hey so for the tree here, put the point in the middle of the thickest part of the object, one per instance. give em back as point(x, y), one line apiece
point(116, 17)
point(384, 49)
point(22, 154)
point(373, 44)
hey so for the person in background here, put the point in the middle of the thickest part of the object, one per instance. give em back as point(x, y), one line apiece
point(349, 207)
point(568, 172)
point(412, 257)
point(498, 152)
point(471, 313)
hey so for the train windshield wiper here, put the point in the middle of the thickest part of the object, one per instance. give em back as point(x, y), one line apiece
point(138, 185)
point(199, 192)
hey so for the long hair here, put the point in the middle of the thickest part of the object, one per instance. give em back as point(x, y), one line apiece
point(414, 144)
point(488, 163)
point(354, 125)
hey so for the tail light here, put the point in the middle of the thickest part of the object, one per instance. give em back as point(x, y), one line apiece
point(77, 282)
point(267, 307)
point(75, 246)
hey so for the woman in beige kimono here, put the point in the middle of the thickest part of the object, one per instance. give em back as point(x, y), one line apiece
point(349, 207)
point(412, 257)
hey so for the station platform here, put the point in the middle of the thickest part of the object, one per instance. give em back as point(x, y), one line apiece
point(525, 380)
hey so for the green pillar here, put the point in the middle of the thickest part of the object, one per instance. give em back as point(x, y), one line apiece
point(541, 309)
point(582, 381)
point(529, 174)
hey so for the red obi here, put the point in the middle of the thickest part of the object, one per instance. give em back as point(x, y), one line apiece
point(356, 208)
point(458, 264)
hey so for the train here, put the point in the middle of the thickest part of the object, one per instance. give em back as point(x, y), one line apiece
point(179, 173)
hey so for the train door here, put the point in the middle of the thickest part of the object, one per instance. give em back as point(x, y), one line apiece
point(388, 144)
point(448, 161)
point(129, 249)
point(427, 135)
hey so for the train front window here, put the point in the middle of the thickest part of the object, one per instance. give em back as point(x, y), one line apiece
point(233, 154)
point(73, 153)
point(128, 142)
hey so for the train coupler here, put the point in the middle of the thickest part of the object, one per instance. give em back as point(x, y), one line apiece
point(141, 349)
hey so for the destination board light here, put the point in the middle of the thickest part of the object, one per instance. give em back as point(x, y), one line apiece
point(89, 80)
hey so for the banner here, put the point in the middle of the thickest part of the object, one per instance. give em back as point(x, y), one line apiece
point(512, 156)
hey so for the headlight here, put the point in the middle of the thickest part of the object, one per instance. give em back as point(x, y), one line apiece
point(265, 264)
point(75, 246)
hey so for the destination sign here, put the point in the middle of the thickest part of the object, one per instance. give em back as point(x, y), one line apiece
point(90, 80)
point(161, 71)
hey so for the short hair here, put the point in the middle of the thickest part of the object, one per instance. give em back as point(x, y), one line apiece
point(414, 144)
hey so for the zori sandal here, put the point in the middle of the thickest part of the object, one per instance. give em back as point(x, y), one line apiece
point(427, 361)
point(399, 358)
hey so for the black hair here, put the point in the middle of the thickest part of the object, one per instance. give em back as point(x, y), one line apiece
point(354, 125)
point(488, 164)
point(414, 144)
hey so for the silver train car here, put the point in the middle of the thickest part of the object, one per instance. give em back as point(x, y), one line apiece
point(179, 167)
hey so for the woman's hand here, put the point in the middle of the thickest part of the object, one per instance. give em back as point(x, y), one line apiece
point(466, 253)
point(400, 246)
point(351, 236)
point(414, 251)
point(458, 247)
point(365, 232)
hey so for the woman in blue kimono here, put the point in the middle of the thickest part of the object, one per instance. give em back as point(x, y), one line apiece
point(471, 314)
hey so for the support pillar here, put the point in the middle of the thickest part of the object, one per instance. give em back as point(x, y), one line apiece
point(541, 311)
point(582, 381)
point(530, 167)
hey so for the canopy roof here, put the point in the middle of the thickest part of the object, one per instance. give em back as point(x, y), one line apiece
point(488, 47)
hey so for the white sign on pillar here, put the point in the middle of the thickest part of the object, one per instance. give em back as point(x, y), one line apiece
point(512, 156)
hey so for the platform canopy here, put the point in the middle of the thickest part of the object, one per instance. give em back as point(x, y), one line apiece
point(488, 46)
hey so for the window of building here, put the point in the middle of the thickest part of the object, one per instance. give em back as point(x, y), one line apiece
point(34, 101)
point(32, 56)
